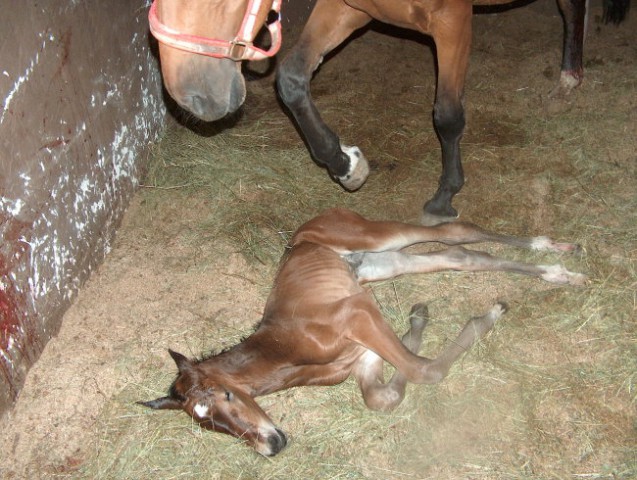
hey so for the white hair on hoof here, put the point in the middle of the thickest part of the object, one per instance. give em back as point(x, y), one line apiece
point(358, 170)
point(541, 243)
point(568, 82)
point(546, 244)
point(498, 310)
point(494, 314)
point(559, 274)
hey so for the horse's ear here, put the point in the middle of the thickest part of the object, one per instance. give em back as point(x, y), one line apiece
point(183, 364)
point(163, 403)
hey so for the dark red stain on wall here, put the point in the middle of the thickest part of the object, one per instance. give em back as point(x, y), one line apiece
point(14, 311)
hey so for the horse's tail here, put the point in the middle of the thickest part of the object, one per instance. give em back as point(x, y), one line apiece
point(615, 10)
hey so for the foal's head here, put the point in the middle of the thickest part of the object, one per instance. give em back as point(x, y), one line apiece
point(217, 404)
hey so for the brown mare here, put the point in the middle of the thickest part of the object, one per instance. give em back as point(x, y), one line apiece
point(212, 87)
point(320, 325)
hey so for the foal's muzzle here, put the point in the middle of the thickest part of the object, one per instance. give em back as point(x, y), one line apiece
point(277, 442)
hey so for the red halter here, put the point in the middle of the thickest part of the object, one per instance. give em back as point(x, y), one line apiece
point(240, 48)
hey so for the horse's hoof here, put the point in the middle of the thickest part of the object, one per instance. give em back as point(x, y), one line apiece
point(358, 172)
point(567, 83)
point(431, 220)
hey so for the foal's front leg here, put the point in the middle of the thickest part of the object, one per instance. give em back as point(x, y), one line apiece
point(371, 331)
point(330, 23)
point(377, 394)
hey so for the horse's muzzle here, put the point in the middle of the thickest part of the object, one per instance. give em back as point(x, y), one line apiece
point(211, 107)
point(208, 88)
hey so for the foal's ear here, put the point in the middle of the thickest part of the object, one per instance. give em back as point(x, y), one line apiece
point(183, 364)
point(163, 403)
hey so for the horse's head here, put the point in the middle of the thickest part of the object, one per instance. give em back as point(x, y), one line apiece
point(220, 406)
point(201, 45)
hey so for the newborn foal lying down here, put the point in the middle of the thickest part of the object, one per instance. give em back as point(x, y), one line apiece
point(321, 326)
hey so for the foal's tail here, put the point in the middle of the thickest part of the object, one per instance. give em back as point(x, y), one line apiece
point(615, 11)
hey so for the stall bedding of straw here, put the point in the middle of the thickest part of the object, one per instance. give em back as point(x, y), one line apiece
point(549, 393)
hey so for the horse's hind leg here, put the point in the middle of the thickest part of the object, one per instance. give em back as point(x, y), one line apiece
point(574, 13)
point(451, 30)
point(377, 394)
point(330, 23)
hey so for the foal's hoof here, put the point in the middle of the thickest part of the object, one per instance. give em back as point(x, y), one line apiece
point(419, 316)
point(358, 170)
point(545, 243)
point(498, 310)
point(559, 274)
point(495, 313)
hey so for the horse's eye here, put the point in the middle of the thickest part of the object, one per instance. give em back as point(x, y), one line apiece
point(229, 396)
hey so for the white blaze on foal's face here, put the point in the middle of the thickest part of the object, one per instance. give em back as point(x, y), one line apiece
point(200, 410)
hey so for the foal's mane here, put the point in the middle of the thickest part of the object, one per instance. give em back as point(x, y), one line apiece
point(214, 353)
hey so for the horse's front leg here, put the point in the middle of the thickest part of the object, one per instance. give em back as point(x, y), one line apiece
point(330, 23)
point(572, 71)
point(450, 28)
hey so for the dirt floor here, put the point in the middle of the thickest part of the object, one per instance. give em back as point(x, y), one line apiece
point(550, 393)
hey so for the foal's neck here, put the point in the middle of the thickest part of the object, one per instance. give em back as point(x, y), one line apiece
point(253, 365)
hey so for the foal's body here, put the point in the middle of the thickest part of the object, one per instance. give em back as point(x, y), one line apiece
point(320, 325)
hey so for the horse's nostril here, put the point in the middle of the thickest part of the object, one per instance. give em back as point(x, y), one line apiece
point(198, 105)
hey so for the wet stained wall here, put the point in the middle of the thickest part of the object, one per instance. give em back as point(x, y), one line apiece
point(81, 100)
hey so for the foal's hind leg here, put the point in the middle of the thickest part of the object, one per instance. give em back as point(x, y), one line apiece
point(330, 23)
point(374, 266)
point(572, 72)
point(369, 370)
point(345, 232)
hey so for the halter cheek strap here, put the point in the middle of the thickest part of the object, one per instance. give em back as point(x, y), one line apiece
point(240, 48)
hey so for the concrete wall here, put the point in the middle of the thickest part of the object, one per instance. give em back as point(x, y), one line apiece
point(81, 99)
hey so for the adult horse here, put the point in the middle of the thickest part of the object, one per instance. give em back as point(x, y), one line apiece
point(202, 43)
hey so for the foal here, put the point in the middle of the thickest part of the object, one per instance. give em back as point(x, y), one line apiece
point(320, 325)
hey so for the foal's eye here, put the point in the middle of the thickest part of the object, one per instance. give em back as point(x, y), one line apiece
point(229, 396)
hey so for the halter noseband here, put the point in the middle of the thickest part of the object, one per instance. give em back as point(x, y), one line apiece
point(240, 48)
